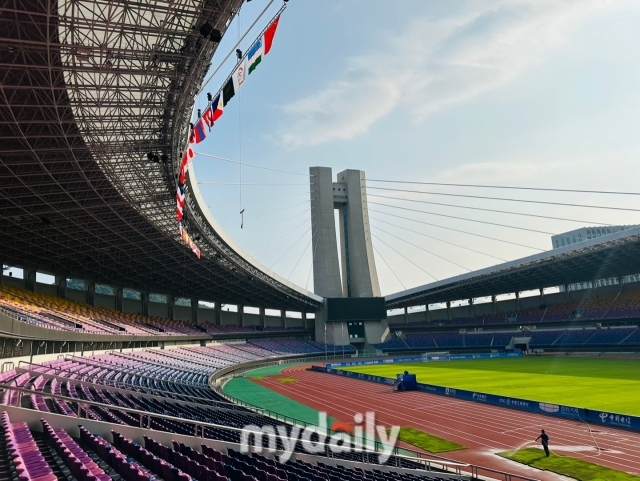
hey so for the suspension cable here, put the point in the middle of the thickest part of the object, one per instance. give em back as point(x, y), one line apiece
point(431, 237)
point(508, 187)
point(425, 250)
point(259, 200)
point(272, 212)
point(456, 230)
point(507, 199)
point(274, 225)
point(404, 257)
point(389, 267)
point(292, 246)
point(241, 183)
point(300, 258)
point(489, 210)
point(280, 238)
point(465, 218)
point(244, 164)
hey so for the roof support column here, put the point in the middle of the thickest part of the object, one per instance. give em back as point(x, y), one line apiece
point(2, 264)
point(61, 286)
point(144, 298)
point(541, 296)
point(263, 324)
point(406, 315)
point(305, 321)
point(194, 310)
point(29, 277)
point(449, 310)
point(91, 293)
point(621, 283)
point(494, 305)
point(241, 316)
point(283, 318)
point(471, 308)
point(171, 305)
point(217, 319)
point(119, 299)
point(566, 292)
point(594, 289)
point(517, 301)
point(427, 313)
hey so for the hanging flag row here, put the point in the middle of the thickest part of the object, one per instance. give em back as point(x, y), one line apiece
point(246, 65)
point(187, 240)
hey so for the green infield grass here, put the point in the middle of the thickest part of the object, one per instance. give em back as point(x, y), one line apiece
point(427, 441)
point(595, 383)
point(568, 466)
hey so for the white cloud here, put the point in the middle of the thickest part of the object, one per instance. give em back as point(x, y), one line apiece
point(507, 173)
point(434, 64)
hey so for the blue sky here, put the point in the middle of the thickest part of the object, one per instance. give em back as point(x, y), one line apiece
point(528, 93)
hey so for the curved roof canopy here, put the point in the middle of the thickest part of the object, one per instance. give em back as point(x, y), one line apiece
point(87, 89)
point(613, 255)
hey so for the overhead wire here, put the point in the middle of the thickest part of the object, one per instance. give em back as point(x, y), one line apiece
point(435, 238)
point(274, 225)
point(260, 200)
point(490, 210)
point(292, 246)
point(245, 164)
point(544, 189)
point(456, 230)
point(423, 249)
point(237, 183)
point(280, 238)
point(389, 267)
point(507, 199)
point(404, 257)
point(465, 218)
point(299, 258)
point(271, 212)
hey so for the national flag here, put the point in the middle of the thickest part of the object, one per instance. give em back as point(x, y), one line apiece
point(190, 154)
point(217, 107)
point(199, 133)
point(207, 117)
point(254, 56)
point(228, 91)
point(180, 195)
point(194, 249)
point(239, 75)
point(269, 33)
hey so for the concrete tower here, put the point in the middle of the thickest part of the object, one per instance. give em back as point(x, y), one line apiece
point(359, 275)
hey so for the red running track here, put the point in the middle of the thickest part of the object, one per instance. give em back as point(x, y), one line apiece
point(484, 429)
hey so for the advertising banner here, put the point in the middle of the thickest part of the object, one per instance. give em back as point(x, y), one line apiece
point(594, 417)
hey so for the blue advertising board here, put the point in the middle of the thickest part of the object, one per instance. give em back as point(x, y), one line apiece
point(602, 418)
point(428, 357)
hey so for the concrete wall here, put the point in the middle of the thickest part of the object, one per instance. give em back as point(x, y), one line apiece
point(229, 318)
point(273, 321)
point(182, 313)
point(78, 296)
point(101, 300)
point(326, 265)
point(206, 315)
point(362, 273)
point(132, 305)
point(157, 309)
point(50, 289)
point(251, 319)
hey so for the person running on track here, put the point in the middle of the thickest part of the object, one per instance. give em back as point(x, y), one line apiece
point(544, 438)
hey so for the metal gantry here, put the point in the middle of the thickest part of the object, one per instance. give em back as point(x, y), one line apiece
point(87, 89)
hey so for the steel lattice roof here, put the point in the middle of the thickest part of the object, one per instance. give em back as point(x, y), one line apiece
point(614, 255)
point(87, 88)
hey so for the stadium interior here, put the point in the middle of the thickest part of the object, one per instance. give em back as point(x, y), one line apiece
point(116, 341)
